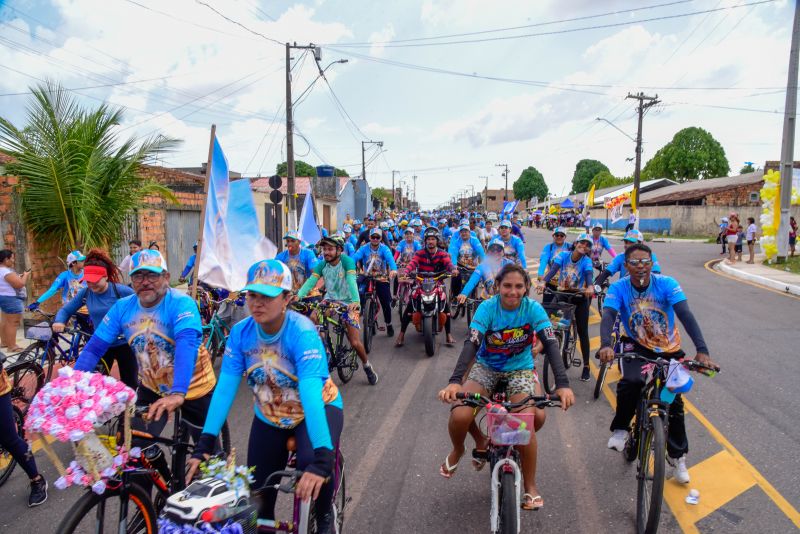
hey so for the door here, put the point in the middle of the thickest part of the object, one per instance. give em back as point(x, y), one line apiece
point(273, 226)
point(182, 229)
point(326, 217)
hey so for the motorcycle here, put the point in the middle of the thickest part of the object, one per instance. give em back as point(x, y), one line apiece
point(428, 302)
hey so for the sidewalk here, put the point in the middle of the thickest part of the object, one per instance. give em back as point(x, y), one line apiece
point(762, 275)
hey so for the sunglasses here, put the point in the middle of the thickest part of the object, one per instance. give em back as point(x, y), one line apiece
point(150, 276)
point(636, 263)
point(375, 237)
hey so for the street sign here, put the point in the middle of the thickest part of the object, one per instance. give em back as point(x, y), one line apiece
point(275, 182)
point(276, 196)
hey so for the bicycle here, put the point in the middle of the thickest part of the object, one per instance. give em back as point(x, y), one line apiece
point(48, 347)
point(647, 437)
point(562, 317)
point(602, 371)
point(137, 511)
point(403, 295)
point(215, 334)
point(461, 309)
point(333, 332)
point(372, 307)
point(7, 462)
point(506, 430)
point(303, 512)
point(26, 377)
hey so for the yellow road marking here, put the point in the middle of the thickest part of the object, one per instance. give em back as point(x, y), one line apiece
point(742, 281)
point(715, 490)
point(737, 468)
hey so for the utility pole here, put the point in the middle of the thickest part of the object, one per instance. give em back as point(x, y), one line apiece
point(290, 176)
point(505, 173)
point(645, 102)
point(415, 188)
point(363, 149)
point(394, 193)
point(787, 147)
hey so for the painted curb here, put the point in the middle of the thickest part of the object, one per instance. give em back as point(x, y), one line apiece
point(762, 280)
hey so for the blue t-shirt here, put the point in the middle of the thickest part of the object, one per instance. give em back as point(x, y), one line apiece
point(68, 283)
point(467, 253)
point(98, 305)
point(349, 249)
point(301, 265)
point(573, 275)
point(617, 265)
point(485, 273)
point(648, 316)
point(275, 364)
point(375, 262)
point(407, 250)
point(508, 335)
point(600, 244)
point(515, 251)
point(549, 253)
point(151, 334)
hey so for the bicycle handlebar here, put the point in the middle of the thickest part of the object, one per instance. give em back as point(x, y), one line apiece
point(692, 365)
point(537, 401)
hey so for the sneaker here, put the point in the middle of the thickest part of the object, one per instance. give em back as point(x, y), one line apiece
point(389, 330)
point(372, 376)
point(680, 472)
point(38, 492)
point(585, 376)
point(617, 440)
point(325, 523)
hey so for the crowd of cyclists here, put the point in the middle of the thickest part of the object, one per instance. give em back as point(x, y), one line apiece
point(153, 331)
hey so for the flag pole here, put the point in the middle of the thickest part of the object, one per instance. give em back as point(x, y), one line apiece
point(196, 270)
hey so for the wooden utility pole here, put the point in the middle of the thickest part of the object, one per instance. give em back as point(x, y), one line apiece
point(505, 173)
point(196, 270)
point(645, 102)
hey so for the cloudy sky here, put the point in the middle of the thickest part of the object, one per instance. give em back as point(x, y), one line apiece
point(452, 87)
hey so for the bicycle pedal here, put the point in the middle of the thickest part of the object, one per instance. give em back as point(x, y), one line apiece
point(577, 362)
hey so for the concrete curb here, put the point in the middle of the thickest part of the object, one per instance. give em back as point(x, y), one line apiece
point(757, 279)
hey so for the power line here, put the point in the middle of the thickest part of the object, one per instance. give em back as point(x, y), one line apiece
point(389, 44)
point(173, 17)
point(236, 22)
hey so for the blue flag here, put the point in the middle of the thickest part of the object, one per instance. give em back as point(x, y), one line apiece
point(232, 241)
point(307, 226)
point(509, 206)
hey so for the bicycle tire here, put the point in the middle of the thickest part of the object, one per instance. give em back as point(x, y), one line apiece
point(139, 503)
point(346, 363)
point(369, 317)
point(631, 450)
point(26, 378)
point(7, 462)
point(600, 299)
point(470, 312)
point(569, 356)
point(648, 503)
point(340, 500)
point(601, 379)
point(508, 505)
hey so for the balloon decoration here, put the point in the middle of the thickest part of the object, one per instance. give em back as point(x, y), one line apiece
point(770, 212)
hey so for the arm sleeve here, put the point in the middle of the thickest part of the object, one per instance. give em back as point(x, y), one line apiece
point(466, 357)
point(390, 259)
point(71, 307)
point(314, 411)
point(690, 324)
point(587, 276)
point(553, 355)
point(54, 287)
point(187, 342)
point(544, 259)
point(551, 273)
point(189, 266)
point(610, 249)
point(521, 254)
point(474, 278)
point(91, 354)
point(452, 250)
point(221, 402)
point(607, 326)
point(602, 277)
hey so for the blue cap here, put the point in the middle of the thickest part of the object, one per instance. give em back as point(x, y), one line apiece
point(505, 223)
point(148, 260)
point(584, 237)
point(292, 234)
point(463, 227)
point(75, 255)
point(559, 230)
point(496, 242)
point(347, 229)
point(633, 236)
point(269, 277)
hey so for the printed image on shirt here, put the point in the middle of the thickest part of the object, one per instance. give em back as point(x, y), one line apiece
point(502, 344)
point(406, 254)
point(466, 255)
point(597, 248)
point(155, 354)
point(74, 285)
point(509, 251)
point(569, 276)
point(651, 326)
point(298, 272)
point(375, 265)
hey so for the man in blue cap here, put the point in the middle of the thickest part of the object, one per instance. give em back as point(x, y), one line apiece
point(300, 260)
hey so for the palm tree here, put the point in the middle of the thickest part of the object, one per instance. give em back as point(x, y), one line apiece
point(77, 182)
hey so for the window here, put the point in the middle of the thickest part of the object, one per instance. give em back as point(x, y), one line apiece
point(753, 196)
point(219, 491)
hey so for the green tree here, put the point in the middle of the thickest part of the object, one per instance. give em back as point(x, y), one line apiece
point(530, 184)
point(606, 179)
point(693, 154)
point(341, 172)
point(747, 169)
point(301, 168)
point(585, 170)
point(77, 182)
point(382, 195)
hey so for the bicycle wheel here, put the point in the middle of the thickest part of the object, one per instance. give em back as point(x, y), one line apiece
point(369, 318)
point(601, 379)
point(26, 378)
point(600, 299)
point(650, 472)
point(569, 357)
point(100, 513)
point(509, 505)
point(340, 498)
point(7, 462)
point(346, 363)
point(548, 380)
point(471, 306)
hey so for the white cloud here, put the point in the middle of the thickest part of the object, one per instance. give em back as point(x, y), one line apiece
point(385, 34)
point(378, 129)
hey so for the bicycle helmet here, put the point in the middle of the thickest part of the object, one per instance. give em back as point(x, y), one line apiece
point(496, 242)
point(432, 232)
point(335, 240)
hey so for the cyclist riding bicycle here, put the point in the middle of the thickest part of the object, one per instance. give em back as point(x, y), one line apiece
point(466, 252)
point(486, 272)
point(103, 290)
point(349, 249)
point(377, 261)
point(549, 253)
point(514, 249)
point(338, 273)
point(647, 305)
point(513, 322)
point(617, 265)
point(430, 259)
point(162, 326)
point(574, 271)
point(283, 359)
point(300, 260)
point(68, 282)
point(188, 269)
point(599, 244)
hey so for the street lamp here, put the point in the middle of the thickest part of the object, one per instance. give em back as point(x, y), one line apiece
point(363, 150)
point(615, 127)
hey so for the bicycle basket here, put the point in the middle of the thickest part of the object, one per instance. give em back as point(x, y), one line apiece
point(560, 313)
point(36, 329)
point(509, 428)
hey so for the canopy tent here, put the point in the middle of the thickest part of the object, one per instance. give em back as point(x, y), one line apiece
point(567, 204)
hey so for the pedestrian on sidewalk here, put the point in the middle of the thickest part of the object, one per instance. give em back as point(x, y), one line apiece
point(739, 243)
point(723, 228)
point(12, 286)
point(751, 239)
point(732, 235)
point(792, 235)
point(631, 221)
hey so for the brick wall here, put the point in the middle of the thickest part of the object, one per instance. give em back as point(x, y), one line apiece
point(739, 196)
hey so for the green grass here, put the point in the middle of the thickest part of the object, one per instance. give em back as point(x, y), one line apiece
point(792, 265)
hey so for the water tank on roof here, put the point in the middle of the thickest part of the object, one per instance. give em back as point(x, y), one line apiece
point(325, 171)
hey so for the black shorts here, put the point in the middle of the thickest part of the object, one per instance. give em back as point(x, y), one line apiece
point(738, 248)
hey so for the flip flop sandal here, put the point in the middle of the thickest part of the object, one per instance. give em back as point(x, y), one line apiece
point(532, 502)
point(479, 458)
point(447, 470)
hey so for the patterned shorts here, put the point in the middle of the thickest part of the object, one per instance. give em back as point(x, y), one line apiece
point(521, 381)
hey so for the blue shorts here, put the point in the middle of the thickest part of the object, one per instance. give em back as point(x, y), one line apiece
point(10, 304)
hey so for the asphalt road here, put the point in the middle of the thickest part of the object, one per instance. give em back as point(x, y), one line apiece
point(743, 432)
